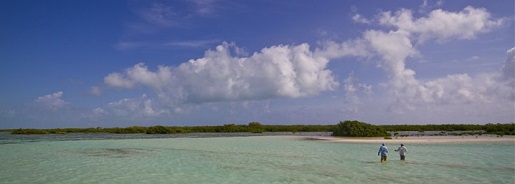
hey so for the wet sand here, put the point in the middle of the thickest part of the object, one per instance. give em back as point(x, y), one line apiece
point(418, 139)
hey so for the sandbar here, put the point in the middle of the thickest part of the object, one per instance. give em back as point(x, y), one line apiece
point(418, 139)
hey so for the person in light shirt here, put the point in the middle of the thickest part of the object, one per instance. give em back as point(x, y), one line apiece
point(402, 152)
point(383, 151)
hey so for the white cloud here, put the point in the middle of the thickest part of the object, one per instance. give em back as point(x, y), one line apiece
point(192, 43)
point(366, 88)
point(394, 47)
point(142, 106)
point(165, 14)
point(204, 7)
point(508, 68)
point(99, 112)
point(428, 6)
point(224, 74)
point(95, 91)
point(331, 50)
point(8, 113)
point(52, 101)
point(130, 45)
point(360, 19)
point(139, 74)
point(423, 5)
point(442, 25)
point(117, 80)
point(159, 14)
point(95, 114)
point(352, 89)
point(278, 71)
point(508, 74)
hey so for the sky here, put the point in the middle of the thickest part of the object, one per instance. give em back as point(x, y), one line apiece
point(93, 63)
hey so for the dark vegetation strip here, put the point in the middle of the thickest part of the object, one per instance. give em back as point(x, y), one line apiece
point(253, 127)
point(346, 128)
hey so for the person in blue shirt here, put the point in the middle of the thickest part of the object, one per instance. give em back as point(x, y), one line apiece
point(383, 151)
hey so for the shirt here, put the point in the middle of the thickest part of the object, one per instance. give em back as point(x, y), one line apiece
point(383, 150)
point(402, 150)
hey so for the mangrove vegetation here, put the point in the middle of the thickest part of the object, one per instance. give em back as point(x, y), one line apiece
point(358, 129)
point(345, 128)
point(252, 127)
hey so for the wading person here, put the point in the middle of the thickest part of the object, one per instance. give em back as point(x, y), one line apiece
point(383, 151)
point(402, 152)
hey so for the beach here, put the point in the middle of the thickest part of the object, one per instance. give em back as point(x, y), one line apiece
point(418, 139)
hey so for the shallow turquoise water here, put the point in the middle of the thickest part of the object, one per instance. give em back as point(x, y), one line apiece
point(262, 159)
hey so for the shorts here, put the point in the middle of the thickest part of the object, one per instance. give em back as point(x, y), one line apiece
point(403, 157)
point(383, 158)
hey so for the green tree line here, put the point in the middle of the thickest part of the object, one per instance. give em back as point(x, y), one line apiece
point(253, 127)
point(346, 128)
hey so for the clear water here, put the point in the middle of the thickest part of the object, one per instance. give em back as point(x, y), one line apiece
point(222, 158)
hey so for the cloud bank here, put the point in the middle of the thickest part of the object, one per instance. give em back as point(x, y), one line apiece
point(278, 71)
point(395, 46)
point(292, 71)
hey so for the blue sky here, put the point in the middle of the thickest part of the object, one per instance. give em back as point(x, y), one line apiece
point(214, 62)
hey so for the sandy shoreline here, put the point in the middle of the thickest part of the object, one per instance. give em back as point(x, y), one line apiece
point(421, 139)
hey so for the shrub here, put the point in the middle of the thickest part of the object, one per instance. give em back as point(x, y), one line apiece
point(159, 130)
point(256, 127)
point(358, 129)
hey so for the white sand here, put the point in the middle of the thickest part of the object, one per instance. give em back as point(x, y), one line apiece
point(421, 139)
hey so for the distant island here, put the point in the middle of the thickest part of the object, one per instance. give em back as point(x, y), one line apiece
point(344, 128)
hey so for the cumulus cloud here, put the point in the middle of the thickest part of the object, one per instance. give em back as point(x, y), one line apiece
point(117, 80)
point(508, 73)
point(395, 46)
point(442, 25)
point(142, 106)
point(508, 68)
point(52, 101)
point(278, 71)
point(225, 74)
point(331, 50)
point(140, 75)
point(352, 89)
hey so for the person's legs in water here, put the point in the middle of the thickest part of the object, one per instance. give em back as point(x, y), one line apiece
point(383, 158)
